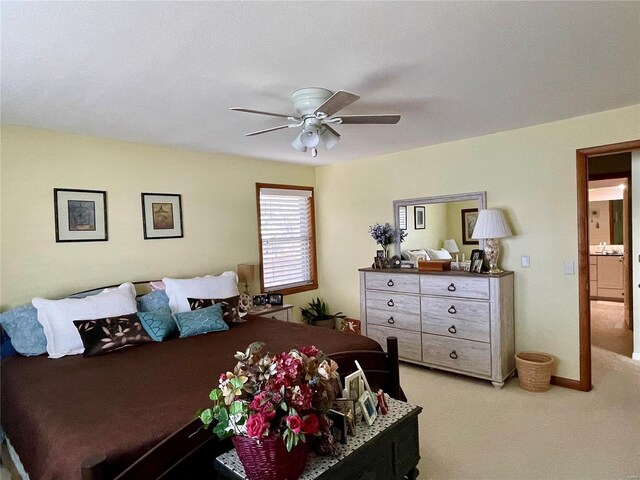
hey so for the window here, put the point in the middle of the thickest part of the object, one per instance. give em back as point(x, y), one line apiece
point(286, 227)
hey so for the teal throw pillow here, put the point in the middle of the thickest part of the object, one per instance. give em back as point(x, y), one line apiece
point(201, 321)
point(153, 301)
point(26, 333)
point(159, 324)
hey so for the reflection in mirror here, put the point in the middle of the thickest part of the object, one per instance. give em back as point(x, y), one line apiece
point(430, 221)
point(606, 212)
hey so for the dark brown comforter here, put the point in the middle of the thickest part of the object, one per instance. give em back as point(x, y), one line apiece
point(56, 412)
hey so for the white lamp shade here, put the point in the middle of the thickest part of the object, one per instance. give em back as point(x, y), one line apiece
point(491, 224)
point(451, 246)
point(329, 139)
point(297, 144)
point(309, 137)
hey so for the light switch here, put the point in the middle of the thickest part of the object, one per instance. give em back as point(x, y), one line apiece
point(525, 261)
point(569, 268)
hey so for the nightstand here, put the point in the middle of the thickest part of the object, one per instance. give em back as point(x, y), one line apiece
point(277, 312)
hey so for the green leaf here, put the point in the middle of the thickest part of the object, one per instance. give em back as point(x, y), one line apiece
point(215, 395)
point(222, 416)
point(206, 416)
point(289, 443)
point(236, 382)
point(236, 407)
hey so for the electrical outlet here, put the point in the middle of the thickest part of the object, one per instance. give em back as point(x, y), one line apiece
point(525, 261)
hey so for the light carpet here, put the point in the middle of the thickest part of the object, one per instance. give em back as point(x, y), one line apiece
point(471, 430)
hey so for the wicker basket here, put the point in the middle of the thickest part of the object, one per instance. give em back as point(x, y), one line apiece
point(268, 459)
point(534, 371)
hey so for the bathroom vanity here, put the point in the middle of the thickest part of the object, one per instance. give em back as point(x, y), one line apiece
point(606, 277)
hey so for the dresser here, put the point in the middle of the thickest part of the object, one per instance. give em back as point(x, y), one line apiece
point(276, 312)
point(456, 321)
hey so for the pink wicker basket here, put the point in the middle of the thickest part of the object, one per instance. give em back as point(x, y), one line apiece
point(268, 459)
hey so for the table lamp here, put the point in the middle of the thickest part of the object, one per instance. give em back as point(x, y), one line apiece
point(451, 246)
point(246, 274)
point(490, 226)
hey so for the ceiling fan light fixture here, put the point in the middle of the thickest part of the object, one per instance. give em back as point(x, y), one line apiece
point(329, 139)
point(309, 137)
point(297, 144)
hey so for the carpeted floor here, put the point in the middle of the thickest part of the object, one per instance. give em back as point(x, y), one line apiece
point(471, 430)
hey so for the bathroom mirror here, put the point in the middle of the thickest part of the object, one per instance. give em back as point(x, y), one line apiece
point(429, 221)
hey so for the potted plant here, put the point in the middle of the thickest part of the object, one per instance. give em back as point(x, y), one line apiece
point(272, 407)
point(318, 315)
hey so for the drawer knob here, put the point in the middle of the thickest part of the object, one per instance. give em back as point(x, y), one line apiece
point(390, 283)
point(391, 320)
point(451, 287)
point(452, 329)
point(390, 303)
point(452, 310)
point(453, 354)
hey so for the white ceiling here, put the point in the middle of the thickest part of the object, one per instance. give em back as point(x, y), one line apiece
point(167, 72)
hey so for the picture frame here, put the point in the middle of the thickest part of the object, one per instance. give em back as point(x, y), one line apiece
point(469, 218)
point(353, 385)
point(368, 407)
point(339, 427)
point(380, 254)
point(162, 215)
point(349, 407)
point(274, 299)
point(364, 377)
point(80, 215)
point(477, 258)
point(419, 218)
point(402, 218)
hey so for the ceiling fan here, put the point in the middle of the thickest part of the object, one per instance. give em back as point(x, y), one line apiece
point(316, 111)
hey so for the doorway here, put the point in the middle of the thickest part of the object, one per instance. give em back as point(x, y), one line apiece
point(609, 218)
point(584, 257)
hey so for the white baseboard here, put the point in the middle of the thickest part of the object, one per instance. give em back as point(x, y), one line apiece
point(636, 356)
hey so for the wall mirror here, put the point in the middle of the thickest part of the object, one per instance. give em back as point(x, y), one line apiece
point(429, 221)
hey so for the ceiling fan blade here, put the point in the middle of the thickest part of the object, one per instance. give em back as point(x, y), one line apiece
point(336, 102)
point(383, 118)
point(266, 130)
point(240, 109)
point(328, 127)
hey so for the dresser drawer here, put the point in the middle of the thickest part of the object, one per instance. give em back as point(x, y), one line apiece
point(393, 282)
point(450, 286)
point(463, 355)
point(408, 342)
point(393, 309)
point(457, 318)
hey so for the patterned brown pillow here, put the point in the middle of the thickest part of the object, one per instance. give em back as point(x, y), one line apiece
point(230, 310)
point(105, 335)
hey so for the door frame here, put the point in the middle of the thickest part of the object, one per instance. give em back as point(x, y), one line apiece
point(582, 175)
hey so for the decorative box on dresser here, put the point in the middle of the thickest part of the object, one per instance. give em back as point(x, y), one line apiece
point(456, 321)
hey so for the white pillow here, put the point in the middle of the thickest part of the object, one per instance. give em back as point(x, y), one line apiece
point(57, 316)
point(210, 286)
point(414, 254)
point(439, 254)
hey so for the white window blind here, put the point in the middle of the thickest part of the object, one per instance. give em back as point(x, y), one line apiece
point(286, 233)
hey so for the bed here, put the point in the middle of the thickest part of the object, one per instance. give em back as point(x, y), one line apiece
point(115, 407)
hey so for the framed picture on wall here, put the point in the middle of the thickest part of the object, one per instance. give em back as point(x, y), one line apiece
point(419, 218)
point(80, 215)
point(161, 215)
point(469, 218)
point(402, 217)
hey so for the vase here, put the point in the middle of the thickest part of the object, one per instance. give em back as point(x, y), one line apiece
point(387, 251)
point(267, 458)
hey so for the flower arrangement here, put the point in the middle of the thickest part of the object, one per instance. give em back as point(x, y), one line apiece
point(266, 395)
point(386, 235)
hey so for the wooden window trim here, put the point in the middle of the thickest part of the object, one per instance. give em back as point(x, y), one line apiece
point(314, 266)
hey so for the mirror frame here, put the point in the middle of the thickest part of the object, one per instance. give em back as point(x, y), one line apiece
point(480, 197)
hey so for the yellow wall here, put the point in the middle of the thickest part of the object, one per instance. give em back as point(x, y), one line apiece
point(218, 200)
point(529, 172)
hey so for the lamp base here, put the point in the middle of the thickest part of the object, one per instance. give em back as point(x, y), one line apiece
point(492, 252)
